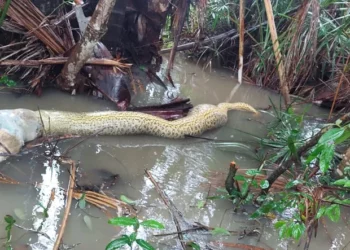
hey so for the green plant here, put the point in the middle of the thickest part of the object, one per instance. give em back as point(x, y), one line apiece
point(132, 238)
point(3, 11)
point(5, 80)
point(311, 191)
point(10, 221)
point(325, 148)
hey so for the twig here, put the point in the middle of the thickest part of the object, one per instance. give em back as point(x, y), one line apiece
point(69, 203)
point(236, 245)
point(6, 149)
point(167, 203)
point(33, 231)
point(81, 141)
point(182, 231)
point(40, 141)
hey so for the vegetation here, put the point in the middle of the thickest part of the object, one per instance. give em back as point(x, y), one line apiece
point(10, 221)
point(132, 238)
point(313, 185)
point(313, 37)
point(5, 80)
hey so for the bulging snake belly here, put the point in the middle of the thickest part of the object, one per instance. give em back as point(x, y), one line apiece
point(22, 125)
point(200, 119)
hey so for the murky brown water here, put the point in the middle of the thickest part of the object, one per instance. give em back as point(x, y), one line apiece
point(180, 167)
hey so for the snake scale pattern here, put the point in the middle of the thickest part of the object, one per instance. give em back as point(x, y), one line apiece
point(18, 126)
point(200, 119)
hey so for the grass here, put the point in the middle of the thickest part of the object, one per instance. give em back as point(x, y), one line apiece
point(313, 36)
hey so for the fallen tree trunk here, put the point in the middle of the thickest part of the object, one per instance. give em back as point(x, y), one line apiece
point(207, 41)
point(212, 40)
point(63, 60)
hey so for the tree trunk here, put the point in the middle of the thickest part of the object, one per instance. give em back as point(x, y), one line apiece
point(84, 49)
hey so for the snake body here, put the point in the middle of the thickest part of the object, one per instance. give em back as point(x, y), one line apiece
point(200, 119)
point(18, 126)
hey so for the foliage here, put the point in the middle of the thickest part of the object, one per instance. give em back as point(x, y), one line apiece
point(5, 80)
point(127, 200)
point(324, 24)
point(45, 210)
point(308, 195)
point(3, 11)
point(130, 239)
point(10, 221)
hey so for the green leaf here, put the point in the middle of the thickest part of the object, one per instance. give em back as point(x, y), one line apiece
point(200, 204)
point(279, 224)
point(320, 212)
point(338, 122)
point(256, 214)
point(7, 81)
point(194, 245)
point(132, 237)
point(315, 153)
point(266, 208)
point(220, 231)
point(264, 184)
point(239, 178)
point(88, 222)
point(123, 221)
point(82, 202)
point(127, 200)
point(118, 243)
point(143, 68)
point(291, 145)
point(343, 138)
point(9, 219)
point(331, 135)
point(289, 230)
point(244, 188)
point(152, 224)
point(326, 157)
point(144, 244)
point(298, 230)
point(347, 184)
point(333, 212)
point(282, 232)
point(293, 183)
point(340, 182)
point(254, 183)
point(253, 172)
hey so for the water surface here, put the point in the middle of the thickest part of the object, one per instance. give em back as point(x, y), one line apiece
point(181, 167)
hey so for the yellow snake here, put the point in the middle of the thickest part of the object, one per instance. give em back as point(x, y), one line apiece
point(200, 119)
point(18, 126)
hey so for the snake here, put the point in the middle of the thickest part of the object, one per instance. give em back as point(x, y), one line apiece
point(18, 126)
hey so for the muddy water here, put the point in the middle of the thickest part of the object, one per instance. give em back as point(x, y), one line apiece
point(181, 167)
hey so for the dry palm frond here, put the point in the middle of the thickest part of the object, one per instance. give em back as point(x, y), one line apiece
point(24, 13)
point(97, 199)
point(103, 201)
point(8, 180)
